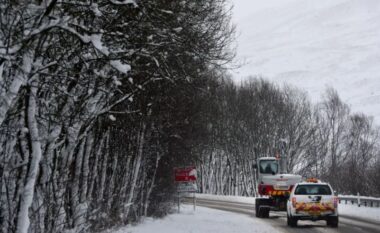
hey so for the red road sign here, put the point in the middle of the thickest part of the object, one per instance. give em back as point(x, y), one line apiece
point(185, 174)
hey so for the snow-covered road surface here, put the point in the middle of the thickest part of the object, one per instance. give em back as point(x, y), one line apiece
point(278, 219)
point(203, 220)
point(230, 215)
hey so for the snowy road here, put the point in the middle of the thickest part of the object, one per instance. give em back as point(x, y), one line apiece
point(278, 219)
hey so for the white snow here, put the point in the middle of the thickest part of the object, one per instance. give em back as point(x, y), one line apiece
point(95, 9)
point(1, 72)
point(313, 45)
point(116, 81)
point(166, 11)
point(200, 221)
point(179, 29)
point(112, 117)
point(211, 220)
point(371, 213)
point(248, 200)
point(124, 2)
point(96, 40)
point(121, 67)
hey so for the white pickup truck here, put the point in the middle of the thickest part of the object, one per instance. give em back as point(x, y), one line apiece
point(312, 200)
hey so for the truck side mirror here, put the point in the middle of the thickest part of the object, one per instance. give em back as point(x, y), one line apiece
point(254, 165)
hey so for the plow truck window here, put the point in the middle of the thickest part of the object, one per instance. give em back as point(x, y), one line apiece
point(268, 167)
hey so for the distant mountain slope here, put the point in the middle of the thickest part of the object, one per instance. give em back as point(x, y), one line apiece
point(315, 44)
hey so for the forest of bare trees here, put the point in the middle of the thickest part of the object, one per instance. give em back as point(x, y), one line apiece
point(99, 100)
point(324, 140)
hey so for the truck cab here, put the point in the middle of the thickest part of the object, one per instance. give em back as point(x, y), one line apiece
point(273, 182)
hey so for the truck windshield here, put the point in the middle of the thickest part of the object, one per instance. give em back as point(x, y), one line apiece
point(313, 190)
point(268, 166)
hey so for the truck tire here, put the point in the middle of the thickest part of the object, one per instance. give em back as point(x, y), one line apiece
point(265, 212)
point(292, 222)
point(257, 208)
point(262, 207)
point(333, 221)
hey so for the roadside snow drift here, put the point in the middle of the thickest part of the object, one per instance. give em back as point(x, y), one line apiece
point(201, 221)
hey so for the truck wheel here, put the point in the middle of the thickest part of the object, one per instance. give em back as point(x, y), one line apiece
point(257, 206)
point(265, 213)
point(262, 207)
point(291, 221)
point(333, 221)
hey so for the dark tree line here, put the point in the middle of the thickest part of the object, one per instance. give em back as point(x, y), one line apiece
point(98, 101)
point(325, 140)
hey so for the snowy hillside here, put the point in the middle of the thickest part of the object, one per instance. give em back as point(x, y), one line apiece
point(314, 45)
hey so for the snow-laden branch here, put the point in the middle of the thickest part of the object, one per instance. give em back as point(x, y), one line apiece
point(7, 97)
point(1, 73)
point(124, 2)
point(96, 41)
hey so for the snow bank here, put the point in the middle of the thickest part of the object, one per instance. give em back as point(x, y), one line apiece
point(200, 221)
point(370, 213)
point(211, 220)
point(249, 200)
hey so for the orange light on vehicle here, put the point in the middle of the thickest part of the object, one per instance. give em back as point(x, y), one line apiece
point(294, 201)
point(312, 180)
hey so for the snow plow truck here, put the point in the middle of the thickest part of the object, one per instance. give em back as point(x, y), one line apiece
point(274, 184)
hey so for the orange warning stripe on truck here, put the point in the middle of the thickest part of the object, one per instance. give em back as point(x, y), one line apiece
point(314, 208)
point(278, 193)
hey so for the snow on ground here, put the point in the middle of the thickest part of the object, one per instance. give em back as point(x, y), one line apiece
point(200, 221)
point(218, 221)
point(313, 45)
point(249, 200)
point(371, 213)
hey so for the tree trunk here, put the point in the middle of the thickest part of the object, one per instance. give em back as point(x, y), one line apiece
point(23, 221)
point(146, 204)
point(136, 166)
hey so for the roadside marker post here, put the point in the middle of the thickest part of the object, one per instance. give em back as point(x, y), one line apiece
point(194, 201)
point(179, 202)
